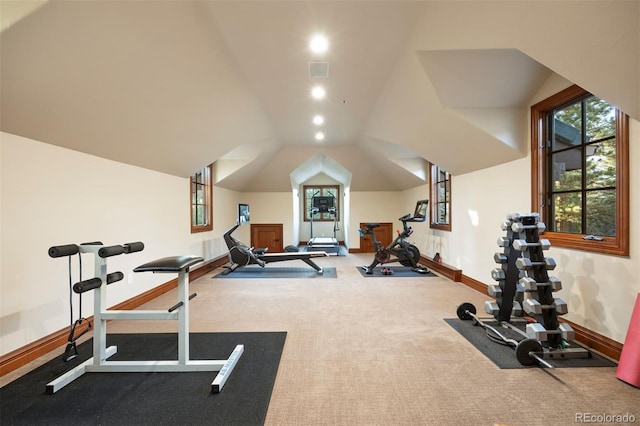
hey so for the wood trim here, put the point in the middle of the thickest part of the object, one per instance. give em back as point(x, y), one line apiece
point(208, 202)
point(617, 245)
point(24, 355)
point(383, 234)
point(596, 341)
point(433, 181)
point(478, 286)
point(306, 217)
point(278, 246)
point(451, 272)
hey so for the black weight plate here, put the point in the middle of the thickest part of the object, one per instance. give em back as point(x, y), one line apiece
point(524, 347)
point(462, 311)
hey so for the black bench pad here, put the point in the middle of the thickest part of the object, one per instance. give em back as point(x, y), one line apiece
point(169, 264)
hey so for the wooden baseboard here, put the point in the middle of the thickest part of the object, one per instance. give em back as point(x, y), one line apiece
point(451, 272)
point(22, 356)
point(474, 284)
point(599, 343)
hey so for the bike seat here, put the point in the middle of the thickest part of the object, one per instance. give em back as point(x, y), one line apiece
point(371, 225)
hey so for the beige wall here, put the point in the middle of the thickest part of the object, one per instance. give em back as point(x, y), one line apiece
point(383, 206)
point(53, 196)
point(268, 207)
point(600, 290)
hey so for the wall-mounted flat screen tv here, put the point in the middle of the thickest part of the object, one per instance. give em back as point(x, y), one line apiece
point(243, 214)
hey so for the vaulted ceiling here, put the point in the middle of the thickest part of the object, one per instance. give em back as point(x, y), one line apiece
point(173, 86)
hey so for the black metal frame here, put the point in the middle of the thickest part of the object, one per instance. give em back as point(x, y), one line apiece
point(399, 250)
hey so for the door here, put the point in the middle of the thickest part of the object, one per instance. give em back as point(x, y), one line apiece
point(384, 234)
point(267, 235)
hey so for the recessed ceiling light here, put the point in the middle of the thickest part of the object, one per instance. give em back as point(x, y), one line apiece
point(318, 120)
point(318, 92)
point(319, 136)
point(319, 44)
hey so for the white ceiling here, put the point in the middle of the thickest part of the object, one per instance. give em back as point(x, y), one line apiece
point(173, 86)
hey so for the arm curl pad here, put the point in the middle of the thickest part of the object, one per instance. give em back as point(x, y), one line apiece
point(110, 251)
point(86, 285)
point(65, 250)
point(133, 247)
point(114, 277)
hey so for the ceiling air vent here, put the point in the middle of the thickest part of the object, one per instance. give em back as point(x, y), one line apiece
point(318, 69)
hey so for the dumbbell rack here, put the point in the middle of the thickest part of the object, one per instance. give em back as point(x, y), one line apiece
point(525, 286)
point(507, 293)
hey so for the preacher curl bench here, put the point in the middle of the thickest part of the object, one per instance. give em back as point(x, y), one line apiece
point(180, 312)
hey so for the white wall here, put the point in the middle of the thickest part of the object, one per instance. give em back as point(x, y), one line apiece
point(52, 196)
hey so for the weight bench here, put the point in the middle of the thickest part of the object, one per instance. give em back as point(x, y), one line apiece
point(180, 312)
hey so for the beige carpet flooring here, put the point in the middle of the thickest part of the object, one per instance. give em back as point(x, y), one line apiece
point(376, 351)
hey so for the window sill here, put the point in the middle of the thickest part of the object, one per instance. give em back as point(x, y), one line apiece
point(196, 229)
point(609, 245)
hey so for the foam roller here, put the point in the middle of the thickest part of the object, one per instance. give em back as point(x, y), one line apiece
point(629, 365)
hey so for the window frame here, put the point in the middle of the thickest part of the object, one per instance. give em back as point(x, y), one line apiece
point(618, 245)
point(435, 199)
point(324, 217)
point(208, 202)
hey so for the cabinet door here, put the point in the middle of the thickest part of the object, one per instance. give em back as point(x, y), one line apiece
point(384, 234)
point(267, 235)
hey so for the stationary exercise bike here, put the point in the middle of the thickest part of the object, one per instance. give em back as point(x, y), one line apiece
point(400, 250)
